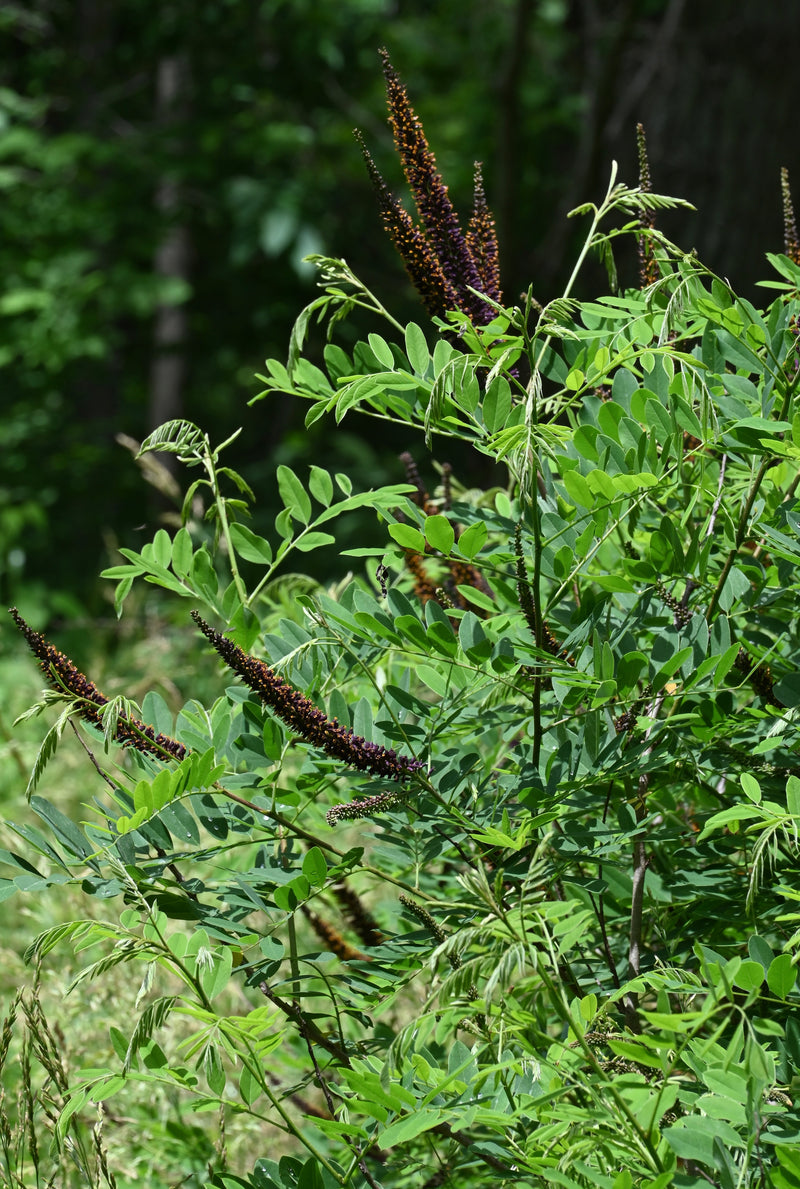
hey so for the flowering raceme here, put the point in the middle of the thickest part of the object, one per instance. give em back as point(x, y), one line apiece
point(300, 713)
point(791, 241)
point(648, 266)
point(445, 265)
point(62, 675)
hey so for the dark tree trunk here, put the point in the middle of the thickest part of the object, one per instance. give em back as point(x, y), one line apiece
point(713, 85)
point(172, 259)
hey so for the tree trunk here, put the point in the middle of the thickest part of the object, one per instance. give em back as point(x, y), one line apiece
point(172, 259)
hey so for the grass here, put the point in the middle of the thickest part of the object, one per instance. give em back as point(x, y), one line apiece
point(139, 1137)
point(151, 1139)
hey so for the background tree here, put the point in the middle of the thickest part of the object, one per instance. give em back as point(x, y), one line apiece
point(165, 172)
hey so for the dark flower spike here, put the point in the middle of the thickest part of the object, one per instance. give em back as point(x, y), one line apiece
point(62, 675)
point(681, 612)
point(461, 574)
point(444, 599)
point(358, 915)
point(482, 241)
point(447, 493)
point(424, 589)
point(648, 268)
point(525, 596)
point(436, 211)
point(423, 268)
point(332, 938)
point(625, 723)
point(524, 593)
point(436, 929)
point(301, 715)
point(425, 918)
point(352, 811)
point(759, 676)
point(430, 193)
point(422, 499)
point(791, 243)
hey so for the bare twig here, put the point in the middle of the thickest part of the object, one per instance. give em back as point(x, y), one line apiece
point(306, 1026)
point(91, 755)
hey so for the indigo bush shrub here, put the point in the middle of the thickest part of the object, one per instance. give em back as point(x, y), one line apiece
point(499, 836)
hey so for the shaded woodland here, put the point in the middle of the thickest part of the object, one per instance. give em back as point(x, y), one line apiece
point(165, 171)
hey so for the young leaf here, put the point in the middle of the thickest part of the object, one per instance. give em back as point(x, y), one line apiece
point(472, 540)
point(250, 545)
point(439, 533)
point(315, 869)
point(417, 349)
point(381, 350)
point(320, 485)
point(781, 976)
point(408, 537)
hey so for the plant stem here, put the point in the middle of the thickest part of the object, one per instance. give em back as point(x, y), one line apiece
point(640, 865)
point(297, 830)
point(208, 462)
point(741, 533)
point(599, 214)
point(539, 625)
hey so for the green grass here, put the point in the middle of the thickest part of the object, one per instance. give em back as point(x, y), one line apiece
point(138, 1137)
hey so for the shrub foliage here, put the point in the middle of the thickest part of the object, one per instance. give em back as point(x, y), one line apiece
point(499, 837)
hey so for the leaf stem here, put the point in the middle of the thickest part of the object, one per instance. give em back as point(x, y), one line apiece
point(741, 533)
point(209, 461)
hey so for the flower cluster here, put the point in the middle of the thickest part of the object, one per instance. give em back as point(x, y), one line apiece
point(678, 608)
point(62, 675)
point(791, 242)
point(425, 918)
point(357, 914)
point(759, 676)
point(421, 499)
point(331, 937)
point(461, 573)
point(300, 713)
point(648, 268)
point(436, 929)
point(424, 589)
point(353, 811)
point(525, 596)
point(482, 239)
point(421, 264)
point(625, 723)
point(444, 264)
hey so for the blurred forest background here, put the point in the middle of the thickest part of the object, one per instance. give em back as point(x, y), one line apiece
point(165, 168)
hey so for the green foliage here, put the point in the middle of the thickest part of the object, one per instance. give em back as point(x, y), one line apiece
point(560, 949)
point(257, 157)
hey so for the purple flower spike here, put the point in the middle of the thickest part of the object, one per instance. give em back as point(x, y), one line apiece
point(444, 264)
point(364, 807)
point(482, 241)
point(791, 243)
point(61, 674)
point(300, 713)
point(421, 264)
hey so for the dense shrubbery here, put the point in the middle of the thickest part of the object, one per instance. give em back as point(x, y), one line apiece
point(499, 837)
